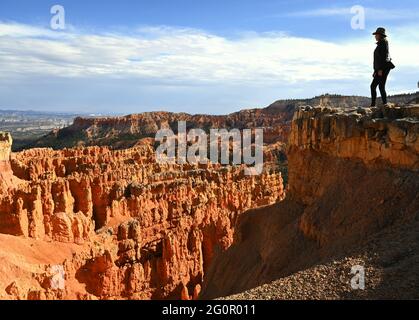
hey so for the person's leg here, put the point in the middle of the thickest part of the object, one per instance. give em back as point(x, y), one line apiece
point(374, 85)
point(382, 86)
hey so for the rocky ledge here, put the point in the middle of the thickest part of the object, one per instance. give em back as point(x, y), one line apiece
point(387, 134)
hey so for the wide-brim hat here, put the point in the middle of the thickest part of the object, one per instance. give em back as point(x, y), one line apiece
point(380, 31)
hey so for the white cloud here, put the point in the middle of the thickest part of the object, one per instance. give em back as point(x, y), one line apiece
point(322, 12)
point(371, 13)
point(17, 30)
point(188, 56)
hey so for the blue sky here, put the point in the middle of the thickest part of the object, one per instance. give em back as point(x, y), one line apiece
point(195, 56)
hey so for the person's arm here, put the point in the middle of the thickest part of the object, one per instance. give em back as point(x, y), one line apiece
point(383, 52)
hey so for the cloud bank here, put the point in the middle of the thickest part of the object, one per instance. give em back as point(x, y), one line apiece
point(169, 57)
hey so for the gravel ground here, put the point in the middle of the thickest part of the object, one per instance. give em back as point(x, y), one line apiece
point(390, 260)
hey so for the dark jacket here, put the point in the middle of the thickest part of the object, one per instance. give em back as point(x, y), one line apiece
point(381, 56)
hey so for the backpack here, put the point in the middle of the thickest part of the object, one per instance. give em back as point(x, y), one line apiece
point(390, 65)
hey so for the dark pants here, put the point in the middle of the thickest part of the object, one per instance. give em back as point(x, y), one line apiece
point(381, 83)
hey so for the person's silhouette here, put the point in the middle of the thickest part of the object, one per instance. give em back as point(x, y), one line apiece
point(382, 66)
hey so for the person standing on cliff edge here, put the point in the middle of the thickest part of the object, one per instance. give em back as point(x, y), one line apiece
point(382, 66)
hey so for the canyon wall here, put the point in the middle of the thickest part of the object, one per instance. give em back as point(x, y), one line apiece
point(378, 148)
point(124, 132)
point(352, 174)
point(98, 223)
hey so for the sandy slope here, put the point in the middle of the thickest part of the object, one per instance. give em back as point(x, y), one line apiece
point(391, 261)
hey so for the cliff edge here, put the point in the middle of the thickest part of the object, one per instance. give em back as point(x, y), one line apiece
point(353, 181)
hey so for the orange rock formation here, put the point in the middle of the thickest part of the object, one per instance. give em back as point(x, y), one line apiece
point(97, 223)
point(7, 179)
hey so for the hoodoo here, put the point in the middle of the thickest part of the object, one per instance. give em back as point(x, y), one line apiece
point(117, 224)
point(7, 180)
point(5, 150)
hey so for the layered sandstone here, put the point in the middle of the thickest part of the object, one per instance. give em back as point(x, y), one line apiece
point(372, 135)
point(352, 175)
point(126, 227)
point(381, 149)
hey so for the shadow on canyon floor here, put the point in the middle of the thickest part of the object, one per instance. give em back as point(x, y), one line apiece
point(356, 211)
point(301, 269)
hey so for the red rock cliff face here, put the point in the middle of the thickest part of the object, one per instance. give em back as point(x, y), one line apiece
point(116, 224)
point(352, 174)
point(379, 148)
